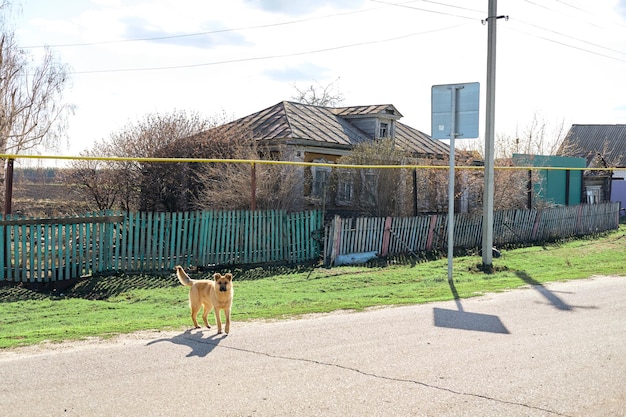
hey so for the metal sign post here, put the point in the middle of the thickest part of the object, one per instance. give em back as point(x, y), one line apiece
point(458, 105)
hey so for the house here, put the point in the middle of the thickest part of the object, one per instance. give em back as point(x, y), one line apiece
point(603, 146)
point(317, 134)
point(331, 132)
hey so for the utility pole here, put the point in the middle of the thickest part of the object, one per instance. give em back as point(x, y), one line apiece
point(490, 104)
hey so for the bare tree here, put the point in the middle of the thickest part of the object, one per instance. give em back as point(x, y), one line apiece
point(101, 184)
point(32, 111)
point(538, 137)
point(130, 185)
point(318, 95)
point(374, 191)
point(230, 186)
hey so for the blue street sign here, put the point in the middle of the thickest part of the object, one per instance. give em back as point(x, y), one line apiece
point(466, 106)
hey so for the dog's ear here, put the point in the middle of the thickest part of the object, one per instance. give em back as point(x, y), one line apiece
point(229, 276)
point(217, 276)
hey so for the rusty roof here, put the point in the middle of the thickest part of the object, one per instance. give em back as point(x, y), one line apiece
point(297, 123)
point(590, 141)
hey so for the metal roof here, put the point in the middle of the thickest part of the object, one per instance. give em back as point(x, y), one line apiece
point(291, 122)
point(589, 141)
point(375, 110)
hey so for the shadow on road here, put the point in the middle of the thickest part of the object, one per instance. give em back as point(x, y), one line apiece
point(200, 345)
point(461, 319)
point(548, 295)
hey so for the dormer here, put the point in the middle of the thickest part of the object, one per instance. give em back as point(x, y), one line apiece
point(377, 121)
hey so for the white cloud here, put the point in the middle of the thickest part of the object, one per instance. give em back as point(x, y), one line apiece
point(301, 7)
point(561, 61)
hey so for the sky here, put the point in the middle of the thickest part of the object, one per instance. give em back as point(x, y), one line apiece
point(560, 61)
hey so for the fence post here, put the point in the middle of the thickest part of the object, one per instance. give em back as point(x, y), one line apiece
point(386, 237)
point(431, 232)
point(336, 239)
point(579, 218)
point(536, 225)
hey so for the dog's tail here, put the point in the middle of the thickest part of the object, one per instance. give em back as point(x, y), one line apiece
point(183, 277)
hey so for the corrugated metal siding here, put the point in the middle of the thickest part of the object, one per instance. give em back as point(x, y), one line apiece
point(589, 140)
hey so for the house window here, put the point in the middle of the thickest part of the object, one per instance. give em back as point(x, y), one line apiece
point(383, 131)
point(345, 188)
point(593, 194)
point(320, 180)
point(369, 178)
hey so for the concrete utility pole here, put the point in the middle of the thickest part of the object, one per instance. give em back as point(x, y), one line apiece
point(490, 104)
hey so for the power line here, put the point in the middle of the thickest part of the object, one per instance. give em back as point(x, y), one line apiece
point(232, 61)
point(571, 37)
point(213, 32)
point(404, 5)
point(578, 9)
point(297, 21)
point(572, 46)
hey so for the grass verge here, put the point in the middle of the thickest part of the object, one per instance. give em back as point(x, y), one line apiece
point(106, 306)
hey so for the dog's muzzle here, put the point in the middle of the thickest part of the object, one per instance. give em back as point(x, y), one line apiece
point(223, 287)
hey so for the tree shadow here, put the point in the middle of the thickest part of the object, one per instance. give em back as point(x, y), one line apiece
point(463, 320)
point(200, 345)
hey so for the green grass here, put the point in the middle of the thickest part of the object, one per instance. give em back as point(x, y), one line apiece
point(106, 306)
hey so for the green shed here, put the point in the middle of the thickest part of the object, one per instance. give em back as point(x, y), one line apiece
point(557, 186)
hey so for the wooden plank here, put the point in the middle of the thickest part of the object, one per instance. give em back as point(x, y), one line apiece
point(144, 242)
point(30, 253)
point(211, 260)
point(160, 251)
point(248, 233)
point(195, 238)
point(174, 232)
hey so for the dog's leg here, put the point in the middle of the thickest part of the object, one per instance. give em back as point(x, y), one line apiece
point(205, 315)
point(194, 313)
point(218, 320)
point(227, 314)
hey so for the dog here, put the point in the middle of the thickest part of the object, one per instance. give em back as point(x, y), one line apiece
point(216, 294)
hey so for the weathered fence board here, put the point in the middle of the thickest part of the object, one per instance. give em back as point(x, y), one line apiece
point(425, 233)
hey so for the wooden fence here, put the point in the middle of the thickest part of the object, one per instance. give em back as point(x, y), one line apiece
point(347, 238)
point(44, 250)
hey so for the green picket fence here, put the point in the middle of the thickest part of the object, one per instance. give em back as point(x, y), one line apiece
point(44, 250)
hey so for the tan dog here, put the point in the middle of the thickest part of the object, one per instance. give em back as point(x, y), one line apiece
point(205, 293)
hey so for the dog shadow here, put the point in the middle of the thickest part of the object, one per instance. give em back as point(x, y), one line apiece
point(195, 339)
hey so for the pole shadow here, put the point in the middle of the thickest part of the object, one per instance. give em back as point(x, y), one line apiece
point(463, 320)
point(200, 346)
point(546, 293)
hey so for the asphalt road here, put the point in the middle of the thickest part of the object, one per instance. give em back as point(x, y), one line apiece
point(555, 350)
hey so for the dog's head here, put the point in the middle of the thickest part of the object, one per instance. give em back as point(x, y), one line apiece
point(223, 282)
